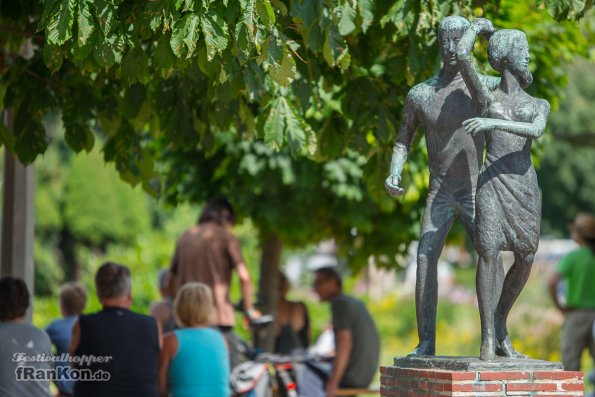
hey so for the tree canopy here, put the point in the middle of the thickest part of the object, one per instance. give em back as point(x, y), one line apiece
point(290, 107)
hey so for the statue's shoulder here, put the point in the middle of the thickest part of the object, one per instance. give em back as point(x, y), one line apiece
point(543, 104)
point(421, 91)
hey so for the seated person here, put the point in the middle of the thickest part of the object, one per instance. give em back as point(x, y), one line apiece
point(162, 311)
point(72, 298)
point(127, 342)
point(357, 345)
point(19, 337)
point(292, 322)
point(194, 359)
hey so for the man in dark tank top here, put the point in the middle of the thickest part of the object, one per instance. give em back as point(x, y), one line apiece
point(120, 348)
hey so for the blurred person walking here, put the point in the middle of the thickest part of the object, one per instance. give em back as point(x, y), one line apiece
point(209, 253)
point(577, 269)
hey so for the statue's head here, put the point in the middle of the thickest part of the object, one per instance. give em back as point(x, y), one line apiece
point(509, 49)
point(450, 31)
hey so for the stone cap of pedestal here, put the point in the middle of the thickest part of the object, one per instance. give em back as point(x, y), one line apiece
point(448, 363)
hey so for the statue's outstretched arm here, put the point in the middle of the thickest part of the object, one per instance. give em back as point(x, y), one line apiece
point(407, 130)
point(532, 130)
point(478, 90)
point(406, 134)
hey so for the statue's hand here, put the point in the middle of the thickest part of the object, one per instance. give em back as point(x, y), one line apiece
point(483, 27)
point(392, 185)
point(477, 124)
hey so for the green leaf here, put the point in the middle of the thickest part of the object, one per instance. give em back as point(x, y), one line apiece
point(185, 34)
point(59, 25)
point(211, 69)
point(176, 40)
point(568, 9)
point(283, 73)
point(82, 52)
point(30, 138)
point(135, 66)
point(163, 57)
point(6, 137)
point(274, 126)
point(347, 21)
point(249, 19)
point(296, 137)
point(178, 124)
point(133, 100)
point(104, 54)
point(402, 15)
point(335, 49)
point(192, 33)
point(52, 57)
point(86, 25)
point(265, 12)
point(106, 16)
point(242, 37)
point(366, 11)
point(280, 6)
point(79, 137)
point(214, 29)
point(272, 51)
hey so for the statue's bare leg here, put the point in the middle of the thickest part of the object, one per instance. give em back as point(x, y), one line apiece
point(438, 219)
point(516, 278)
point(487, 289)
point(468, 220)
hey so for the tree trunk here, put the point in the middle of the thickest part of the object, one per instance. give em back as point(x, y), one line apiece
point(268, 290)
point(67, 246)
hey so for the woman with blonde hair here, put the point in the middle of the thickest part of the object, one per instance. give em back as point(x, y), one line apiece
point(194, 359)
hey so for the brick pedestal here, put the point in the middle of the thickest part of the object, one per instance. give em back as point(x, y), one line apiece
point(415, 382)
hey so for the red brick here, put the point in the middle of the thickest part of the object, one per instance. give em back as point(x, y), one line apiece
point(454, 375)
point(436, 386)
point(559, 394)
point(573, 386)
point(531, 387)
point(477, 387)
point(557, 375)
point(504, 375)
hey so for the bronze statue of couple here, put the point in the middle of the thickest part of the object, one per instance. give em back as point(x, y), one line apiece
point(497, 199)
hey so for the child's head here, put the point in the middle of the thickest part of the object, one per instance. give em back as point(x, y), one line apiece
point(73, 299)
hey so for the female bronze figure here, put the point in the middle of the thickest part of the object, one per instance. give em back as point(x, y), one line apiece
point(508, 201)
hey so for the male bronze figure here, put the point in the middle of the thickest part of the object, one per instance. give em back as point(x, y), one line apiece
point(440, 105)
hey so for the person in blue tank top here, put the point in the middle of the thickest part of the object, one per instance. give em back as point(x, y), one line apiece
point(194, 359)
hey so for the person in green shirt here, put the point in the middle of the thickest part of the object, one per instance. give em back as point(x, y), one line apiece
point(577, 269)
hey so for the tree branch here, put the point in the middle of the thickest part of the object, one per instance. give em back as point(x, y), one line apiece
point(39, 77)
